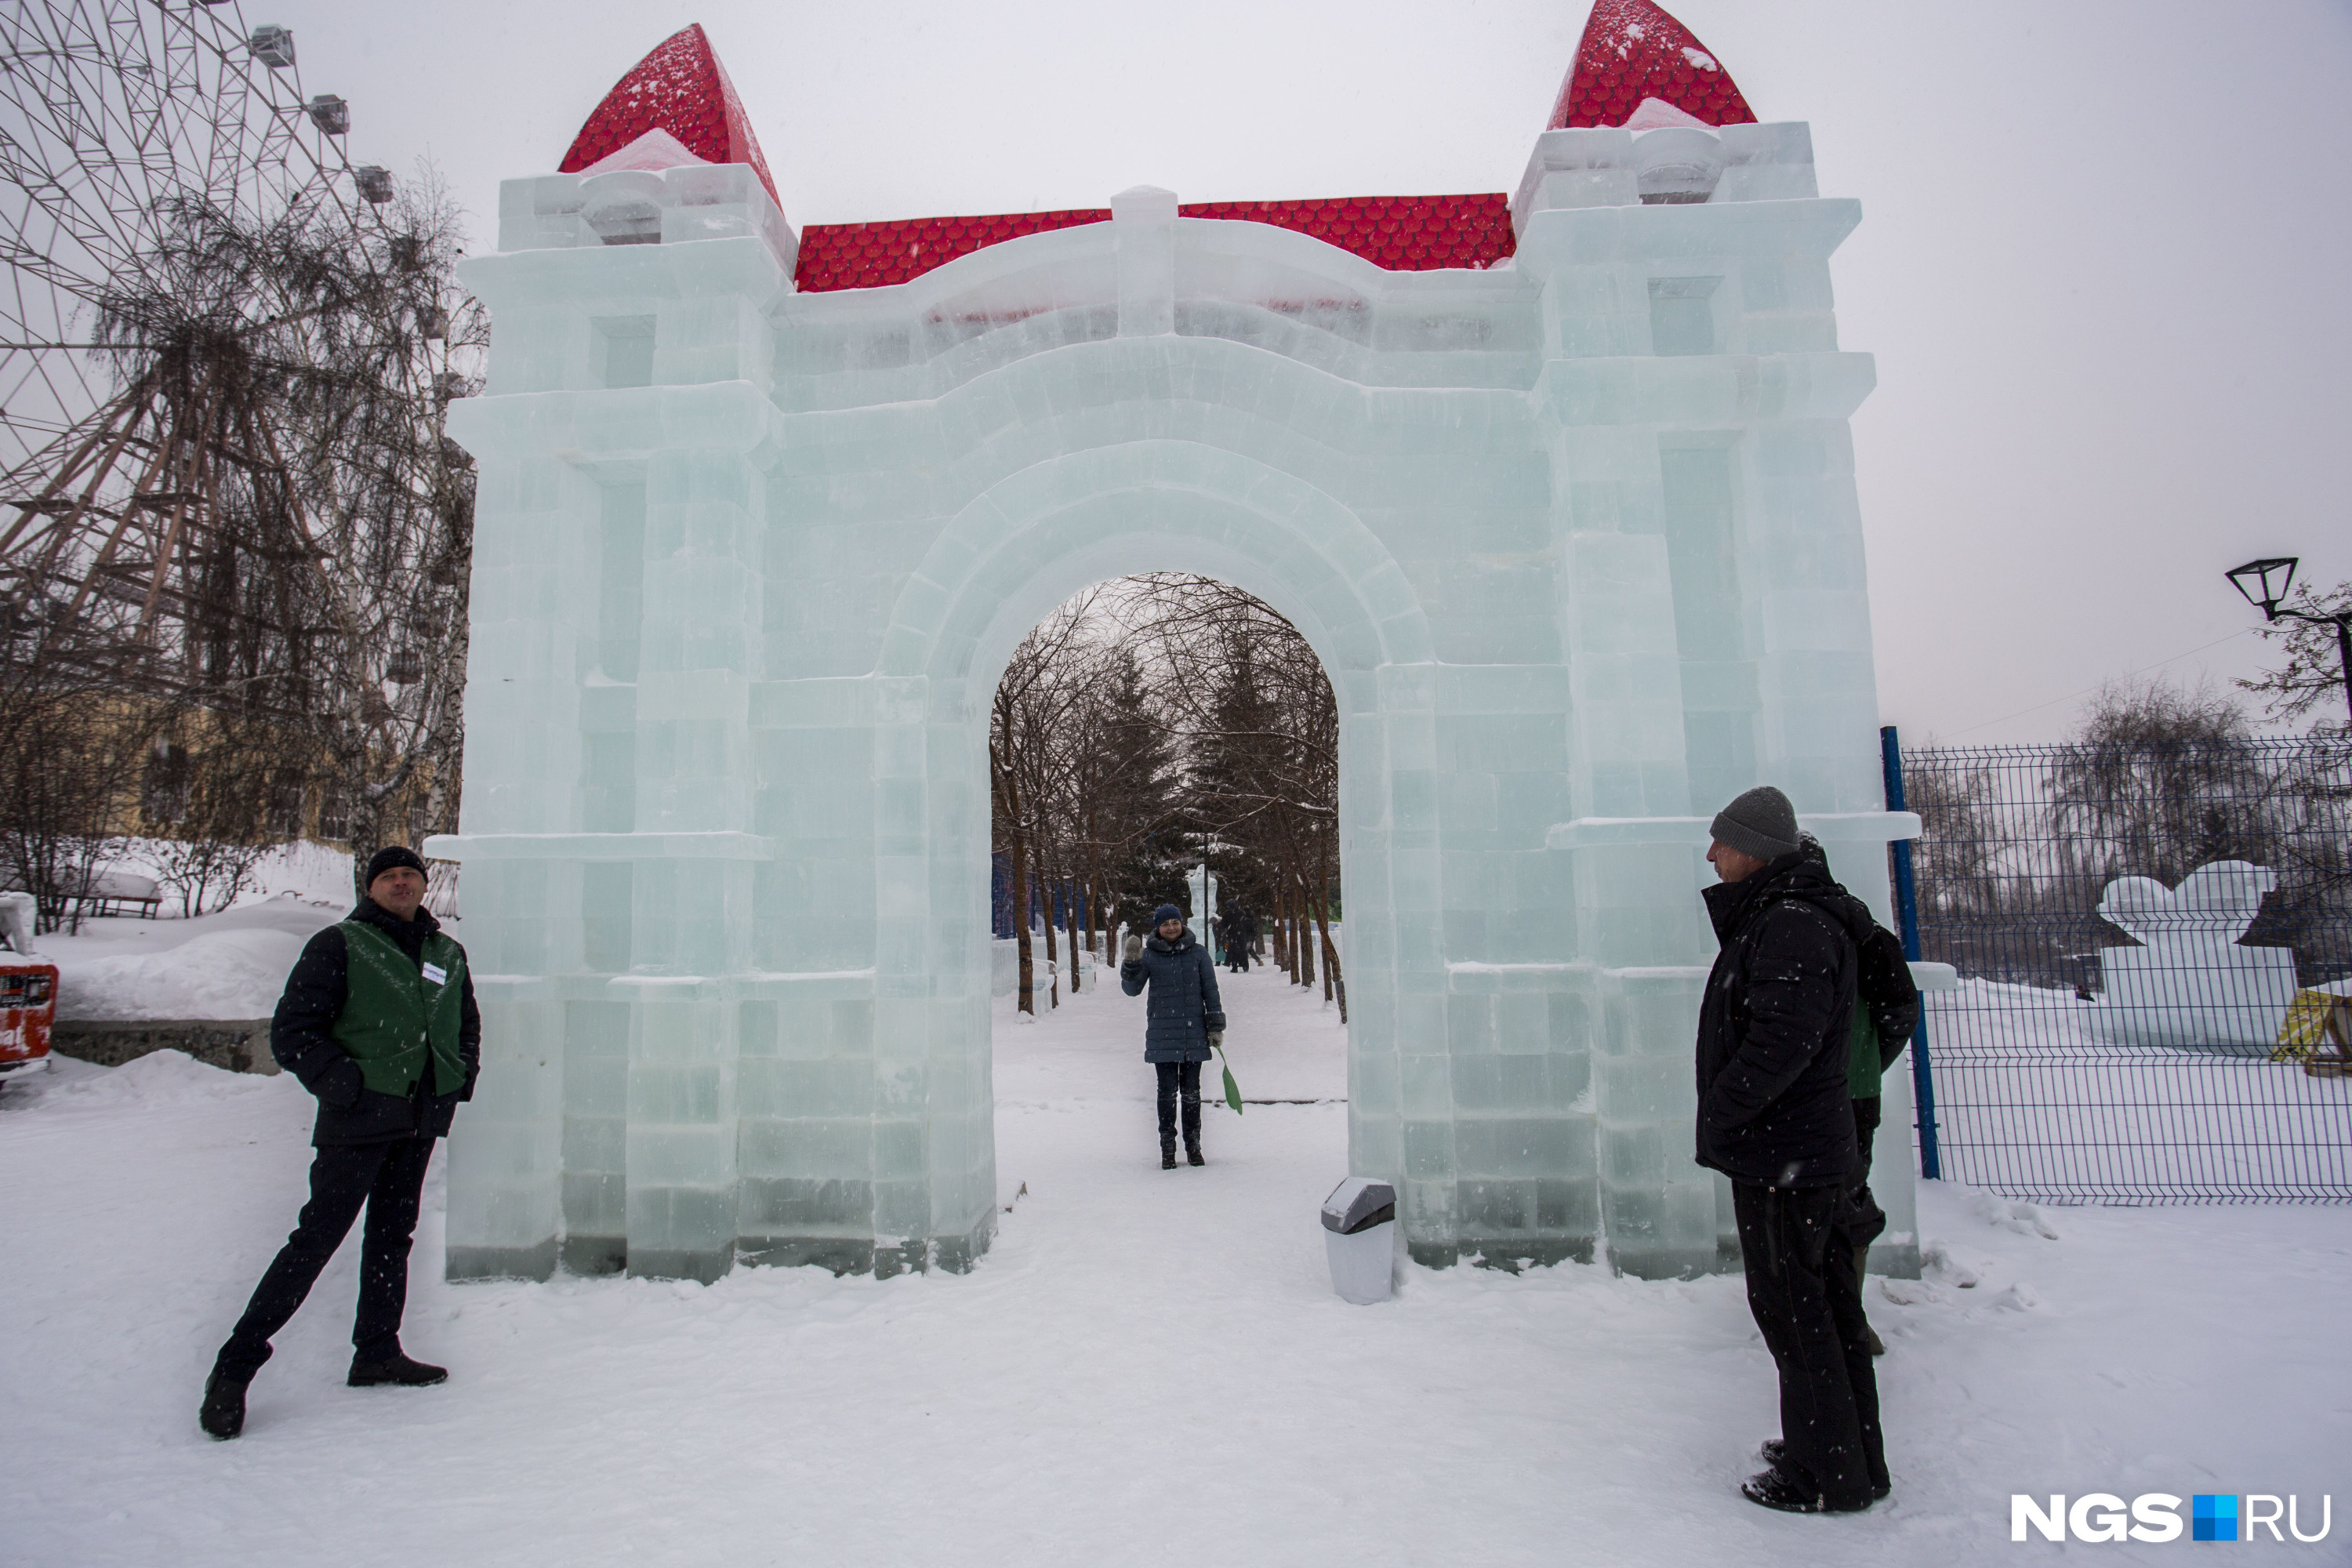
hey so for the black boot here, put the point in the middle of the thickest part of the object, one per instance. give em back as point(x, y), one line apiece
point(1168, 1153)
point(1192, 1156)
point(1775, 1453)
point(399, 1370)
point(224, 1412)
point(1785, 1491)
point(1192, 1125)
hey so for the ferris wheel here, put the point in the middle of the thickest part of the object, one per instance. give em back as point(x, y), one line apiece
point(154, 157)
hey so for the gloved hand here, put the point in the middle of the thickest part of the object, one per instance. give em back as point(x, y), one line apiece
point(341, 1084)
point(1216, 1040)
point(1134, 947)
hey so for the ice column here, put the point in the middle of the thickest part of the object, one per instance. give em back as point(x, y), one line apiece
point(533, 640)
point(1713, 607)
point(698, 652)
point(608, 836)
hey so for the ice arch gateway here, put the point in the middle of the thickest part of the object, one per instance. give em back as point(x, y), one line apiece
point(1558, 484)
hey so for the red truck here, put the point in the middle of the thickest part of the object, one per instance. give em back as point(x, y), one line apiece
point(29, 1005)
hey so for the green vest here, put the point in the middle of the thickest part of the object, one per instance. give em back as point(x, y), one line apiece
point(392, 1013)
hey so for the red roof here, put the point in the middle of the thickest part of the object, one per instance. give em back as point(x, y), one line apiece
point(1633, 50)
point(1402, 234)
point(682, 89)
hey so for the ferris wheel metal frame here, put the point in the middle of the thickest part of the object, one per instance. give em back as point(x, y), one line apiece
point(119, 120)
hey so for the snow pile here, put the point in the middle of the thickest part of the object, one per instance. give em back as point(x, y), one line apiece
point(165, 1078)
point(228, 966)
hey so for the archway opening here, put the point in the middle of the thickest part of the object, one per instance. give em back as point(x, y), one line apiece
point(1167, 739)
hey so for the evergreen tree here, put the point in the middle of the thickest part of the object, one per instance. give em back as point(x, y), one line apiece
point(1141, 820)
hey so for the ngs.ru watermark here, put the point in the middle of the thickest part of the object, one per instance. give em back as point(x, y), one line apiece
point(2156, 1516)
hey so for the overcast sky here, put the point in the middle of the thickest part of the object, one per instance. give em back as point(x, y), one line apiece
point(2102, 263)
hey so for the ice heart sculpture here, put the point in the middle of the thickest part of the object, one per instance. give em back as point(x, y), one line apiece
point(2216, 902)
point(2190, 982)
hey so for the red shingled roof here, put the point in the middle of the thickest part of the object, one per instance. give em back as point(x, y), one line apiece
point(868, 255)
point(682, 89)
point(1402, 234)
point(1633, 50)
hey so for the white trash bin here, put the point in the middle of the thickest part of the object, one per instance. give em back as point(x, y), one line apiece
point(1359, 1234)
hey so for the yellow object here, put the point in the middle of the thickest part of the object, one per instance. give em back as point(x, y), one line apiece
point(2313, 1018)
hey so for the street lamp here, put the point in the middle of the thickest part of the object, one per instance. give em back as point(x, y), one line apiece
point(2254, 581)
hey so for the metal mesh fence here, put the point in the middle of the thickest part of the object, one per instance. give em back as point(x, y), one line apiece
point(2155, 951)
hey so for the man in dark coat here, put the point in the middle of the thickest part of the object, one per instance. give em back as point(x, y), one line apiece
point(378, 1020)
point(1184, 1021)
point(1775, 1116)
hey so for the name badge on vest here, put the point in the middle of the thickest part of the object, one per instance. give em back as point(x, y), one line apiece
point(435, 973)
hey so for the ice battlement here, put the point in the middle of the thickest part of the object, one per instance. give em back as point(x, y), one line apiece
point(643, 207)
point(1612, 166)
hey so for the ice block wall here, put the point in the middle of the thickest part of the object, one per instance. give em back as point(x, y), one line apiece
point(1574, 536)
point(1715, 611)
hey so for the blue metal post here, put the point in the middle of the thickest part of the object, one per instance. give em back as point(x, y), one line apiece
point(1000, 896)
point(1907, 909)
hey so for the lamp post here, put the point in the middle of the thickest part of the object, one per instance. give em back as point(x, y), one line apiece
point(2254, 580)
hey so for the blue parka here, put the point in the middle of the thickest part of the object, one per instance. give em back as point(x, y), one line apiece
point(1184, 1009)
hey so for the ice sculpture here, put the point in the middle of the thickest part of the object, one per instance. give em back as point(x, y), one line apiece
point(1558, 484)
point(2189, 982)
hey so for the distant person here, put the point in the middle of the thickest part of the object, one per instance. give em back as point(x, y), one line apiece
point(1775, 1116)
point(1241, 931)
point(378, 1020)
point(1183, 1021)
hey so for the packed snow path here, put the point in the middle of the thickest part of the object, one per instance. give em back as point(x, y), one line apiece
point(1148, 1367)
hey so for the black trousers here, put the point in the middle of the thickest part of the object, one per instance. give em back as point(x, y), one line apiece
point(1237, 957)
point(1179, 1079)
point(386, 1178)
point(1806, 1295)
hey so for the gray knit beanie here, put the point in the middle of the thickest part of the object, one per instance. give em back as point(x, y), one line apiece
point(1761, 823)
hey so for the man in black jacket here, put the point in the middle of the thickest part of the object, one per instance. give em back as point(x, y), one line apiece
point(1775, 1116)
point(378, 1020)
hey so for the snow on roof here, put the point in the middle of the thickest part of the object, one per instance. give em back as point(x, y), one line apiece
point(681, 88)
point(656, 150)
point(1402, 234)
point(1633, 50)
point(1657, 114)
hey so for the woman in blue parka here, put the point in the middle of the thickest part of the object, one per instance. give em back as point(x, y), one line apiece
point(1183, 1021)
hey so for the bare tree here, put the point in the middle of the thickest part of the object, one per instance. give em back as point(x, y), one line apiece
point(205, 818)
point(2160, 781)
point(1260, 726)
point(1045, 683)
point(69, 753)
point(1149, 726)
point(2311, 675)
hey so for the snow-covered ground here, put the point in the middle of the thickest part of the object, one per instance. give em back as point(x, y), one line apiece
point(2032, 1097)
point(1149, 1367)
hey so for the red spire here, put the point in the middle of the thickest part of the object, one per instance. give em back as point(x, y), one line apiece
point(682, 89)
point(1633, 50)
